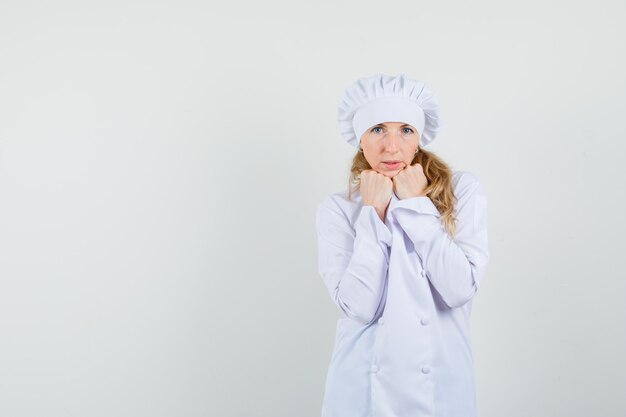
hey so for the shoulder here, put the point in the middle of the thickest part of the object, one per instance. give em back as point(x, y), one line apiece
point(338, 204)
point(460, 178)
point(465, 181)
point(467, 187)
point(340, 200)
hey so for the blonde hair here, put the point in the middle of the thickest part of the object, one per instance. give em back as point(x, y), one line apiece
point(439, 189)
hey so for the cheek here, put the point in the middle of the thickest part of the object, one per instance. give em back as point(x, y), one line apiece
point(372, 154)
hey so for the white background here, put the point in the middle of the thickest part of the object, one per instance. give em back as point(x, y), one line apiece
point(160, 164)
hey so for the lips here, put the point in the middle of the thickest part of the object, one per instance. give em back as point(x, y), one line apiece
point(393, 164)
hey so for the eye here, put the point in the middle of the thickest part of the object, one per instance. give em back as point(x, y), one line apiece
point(408, 131)
point(376, 129)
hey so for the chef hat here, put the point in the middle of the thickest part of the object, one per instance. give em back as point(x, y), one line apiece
point(384, 98)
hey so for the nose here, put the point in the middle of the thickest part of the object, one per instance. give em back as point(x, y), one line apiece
point(391, 142)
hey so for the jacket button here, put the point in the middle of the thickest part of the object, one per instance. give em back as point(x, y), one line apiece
point(425, 369)
point(374, 368)
point(381, 321)
point(424, 321)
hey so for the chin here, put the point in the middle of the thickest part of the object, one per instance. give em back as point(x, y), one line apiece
point(389, 174)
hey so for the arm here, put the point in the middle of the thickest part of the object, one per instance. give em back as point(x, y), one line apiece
point(353, 261)
point(455, 267)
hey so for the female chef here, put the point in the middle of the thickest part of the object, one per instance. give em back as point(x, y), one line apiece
point(402, 253)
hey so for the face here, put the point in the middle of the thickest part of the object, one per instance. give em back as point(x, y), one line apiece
point(389, 147)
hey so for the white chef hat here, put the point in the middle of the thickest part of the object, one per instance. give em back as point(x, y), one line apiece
point(385, 98)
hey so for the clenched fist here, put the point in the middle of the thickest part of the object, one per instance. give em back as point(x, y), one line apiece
point(410, 182)
point(376, 190)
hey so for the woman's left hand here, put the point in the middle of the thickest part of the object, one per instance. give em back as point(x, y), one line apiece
point(410, 182)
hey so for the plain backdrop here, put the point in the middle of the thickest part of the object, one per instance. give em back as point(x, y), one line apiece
point(160, 165)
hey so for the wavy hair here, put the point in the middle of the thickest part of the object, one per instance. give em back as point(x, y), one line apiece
point(439, 188)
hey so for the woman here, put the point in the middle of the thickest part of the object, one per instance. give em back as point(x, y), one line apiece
point(402, 253)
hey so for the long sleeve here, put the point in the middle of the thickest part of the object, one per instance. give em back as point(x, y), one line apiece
point(353, 260)
point(455, 267)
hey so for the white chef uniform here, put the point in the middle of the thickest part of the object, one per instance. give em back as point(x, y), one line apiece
point(405, 290)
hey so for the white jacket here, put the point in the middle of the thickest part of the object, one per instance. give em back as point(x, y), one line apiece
point(402, 347)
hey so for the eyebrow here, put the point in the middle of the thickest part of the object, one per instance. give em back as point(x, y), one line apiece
point(383, 125)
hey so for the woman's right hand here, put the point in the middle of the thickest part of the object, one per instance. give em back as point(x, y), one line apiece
point(376, 191)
